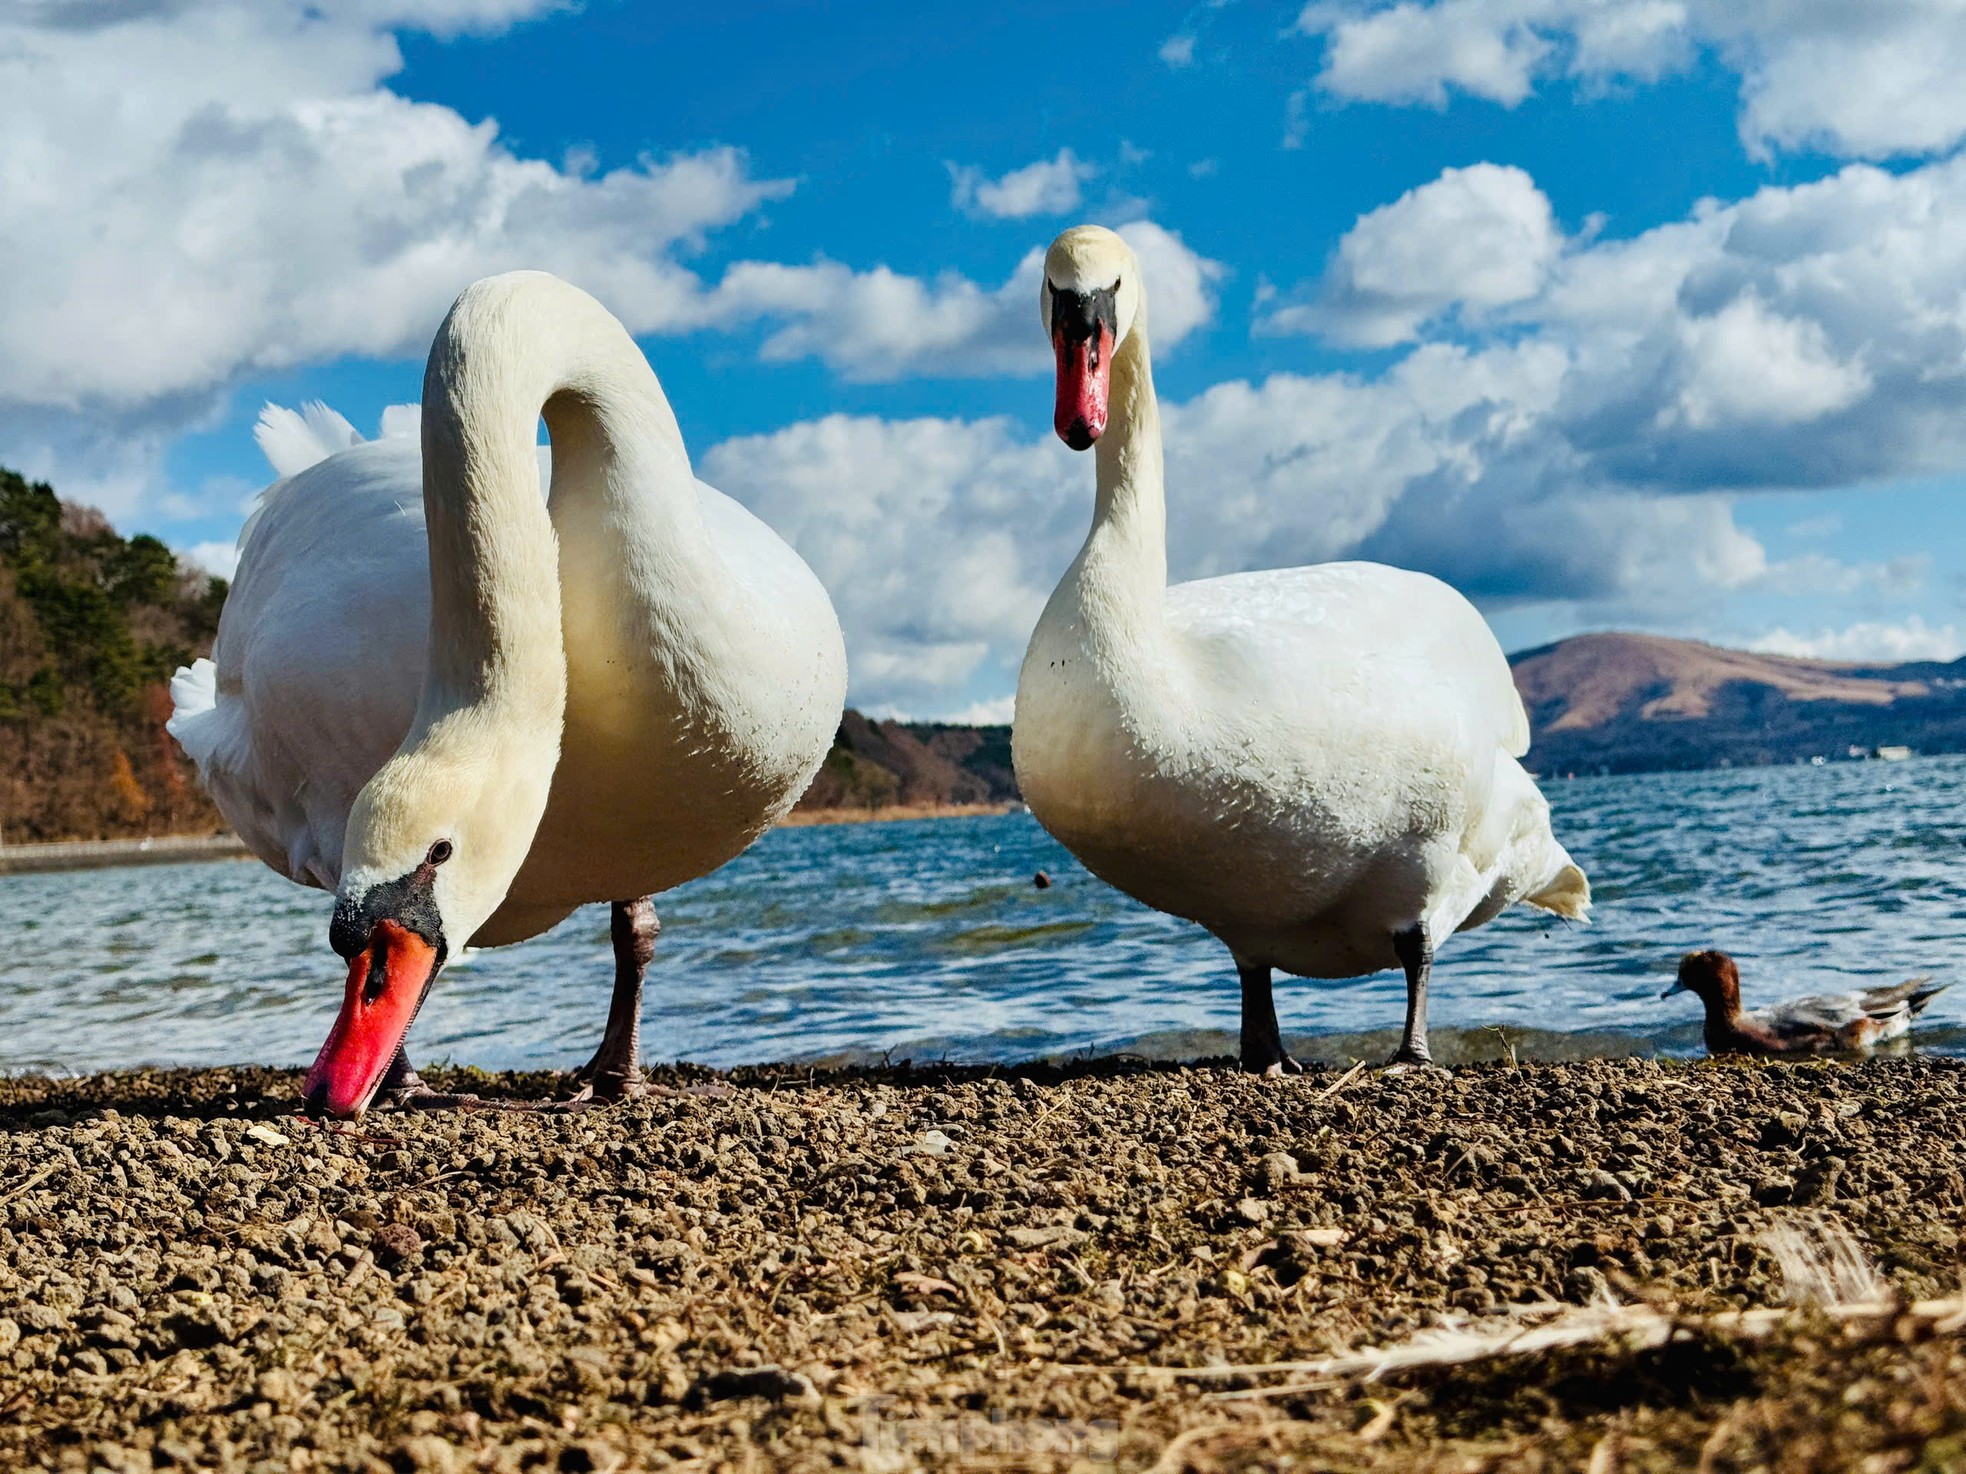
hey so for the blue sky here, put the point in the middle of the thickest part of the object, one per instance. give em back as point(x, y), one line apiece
point(1630, 313)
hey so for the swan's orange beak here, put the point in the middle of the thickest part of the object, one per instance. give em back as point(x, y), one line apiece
point(1085, 366)
point(386, 984)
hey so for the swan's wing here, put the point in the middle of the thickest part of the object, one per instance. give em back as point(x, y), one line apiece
point(1400, 676)
point(318, 664)
point(1345, 632)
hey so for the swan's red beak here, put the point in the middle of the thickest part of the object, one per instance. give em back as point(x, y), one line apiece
point(1085, 366)
point(386, 984)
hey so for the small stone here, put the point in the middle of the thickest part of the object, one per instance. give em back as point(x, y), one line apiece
point(1601, 1186)
point(1253, 1210)
point(1045, 1238)
point(266, 1135)
point(774, 1383)
point(931, 1143)
point(1041, 881)
point(279, 1387)
point(1816, 1184)
point(1280, 1171)
point(428, 1454)
point(1772, 1192)
point(395, 1242)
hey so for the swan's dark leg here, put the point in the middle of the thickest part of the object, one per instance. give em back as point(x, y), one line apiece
point(1262, 1044)
point(1416, 955)
point(615, 1071)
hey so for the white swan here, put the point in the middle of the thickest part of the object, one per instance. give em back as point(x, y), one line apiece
point(1316, 764)
point(468, 709)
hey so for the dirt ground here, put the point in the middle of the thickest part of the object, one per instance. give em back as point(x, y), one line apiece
point(1046, 1268)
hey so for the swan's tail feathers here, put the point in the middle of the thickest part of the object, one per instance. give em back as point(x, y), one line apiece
point(293, 440)
point(1567, 893)
point(210, 728)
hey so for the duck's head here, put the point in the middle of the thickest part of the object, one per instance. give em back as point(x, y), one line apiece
point(1091, 300)
point(433, 843)
point(1711, 977)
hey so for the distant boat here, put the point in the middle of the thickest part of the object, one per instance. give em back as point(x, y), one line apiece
point(1892, 754)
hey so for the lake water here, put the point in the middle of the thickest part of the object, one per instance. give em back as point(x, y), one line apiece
point(927, 940)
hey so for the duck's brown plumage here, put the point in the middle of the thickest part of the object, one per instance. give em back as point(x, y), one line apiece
point(1818, 1024)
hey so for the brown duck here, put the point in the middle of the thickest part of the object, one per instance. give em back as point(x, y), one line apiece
point(1827, 1023)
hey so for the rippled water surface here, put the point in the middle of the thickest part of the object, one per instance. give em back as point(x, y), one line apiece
point(927, 940)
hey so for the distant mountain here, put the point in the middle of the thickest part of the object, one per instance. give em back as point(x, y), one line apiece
point(1632, 703)
point(878, 765)
point(91, 627)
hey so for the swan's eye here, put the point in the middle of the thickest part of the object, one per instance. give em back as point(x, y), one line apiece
point(440, 852)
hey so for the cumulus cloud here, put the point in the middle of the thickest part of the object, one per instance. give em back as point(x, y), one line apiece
point(1808, 335)
point(881, 324)
point(938, 539)
point(1047, 187)
point(1883, 642)
point(1475, 238)
point(192, 194)
point(1178, 50)
point(1861, 80)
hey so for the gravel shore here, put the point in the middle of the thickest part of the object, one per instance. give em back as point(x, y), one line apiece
point(1043, 1268)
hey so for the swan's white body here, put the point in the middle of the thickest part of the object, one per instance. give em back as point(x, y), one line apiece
point(1306, 761)
point(703, 665)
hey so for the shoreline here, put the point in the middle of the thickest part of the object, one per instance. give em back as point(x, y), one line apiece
point(1106, 1264)
point(39, 857)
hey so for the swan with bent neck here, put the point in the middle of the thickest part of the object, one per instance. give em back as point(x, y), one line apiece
point(471, 710)
point(1318, 765)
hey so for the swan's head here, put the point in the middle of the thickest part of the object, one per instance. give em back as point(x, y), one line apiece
point(431, 848)
point(1091, 300)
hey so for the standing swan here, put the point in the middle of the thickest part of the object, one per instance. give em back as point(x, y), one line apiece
point(471, 712)
point(1316, 764)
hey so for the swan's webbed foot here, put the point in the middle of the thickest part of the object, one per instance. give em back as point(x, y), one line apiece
point(1276, 1069)
point(1409, 1062)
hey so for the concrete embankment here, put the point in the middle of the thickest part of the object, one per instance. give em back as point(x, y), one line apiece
point(96, 854)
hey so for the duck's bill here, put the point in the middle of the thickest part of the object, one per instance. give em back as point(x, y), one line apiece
point(1085, 372)
point(386, 985)
point(1677, 987)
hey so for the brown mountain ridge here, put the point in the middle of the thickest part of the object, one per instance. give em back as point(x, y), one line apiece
point(1630, 702)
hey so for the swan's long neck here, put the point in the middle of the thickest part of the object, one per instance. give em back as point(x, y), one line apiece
point(512, 349)
point(1122, 569)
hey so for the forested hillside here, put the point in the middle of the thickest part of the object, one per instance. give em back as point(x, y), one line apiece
point(91, 627)
point(93, 624)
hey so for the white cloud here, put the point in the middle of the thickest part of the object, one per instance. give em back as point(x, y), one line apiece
point(220, 559)
point(191, 194)
point(1747, 365)
point(938, 539)
point(1476, 238)
point(996, 712)
point(1415, 53)
point(1808, 335)
point(1866, 80)
point(1913, 639)
point(1047, 187)
point(880, 324)
point(1178, 50)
